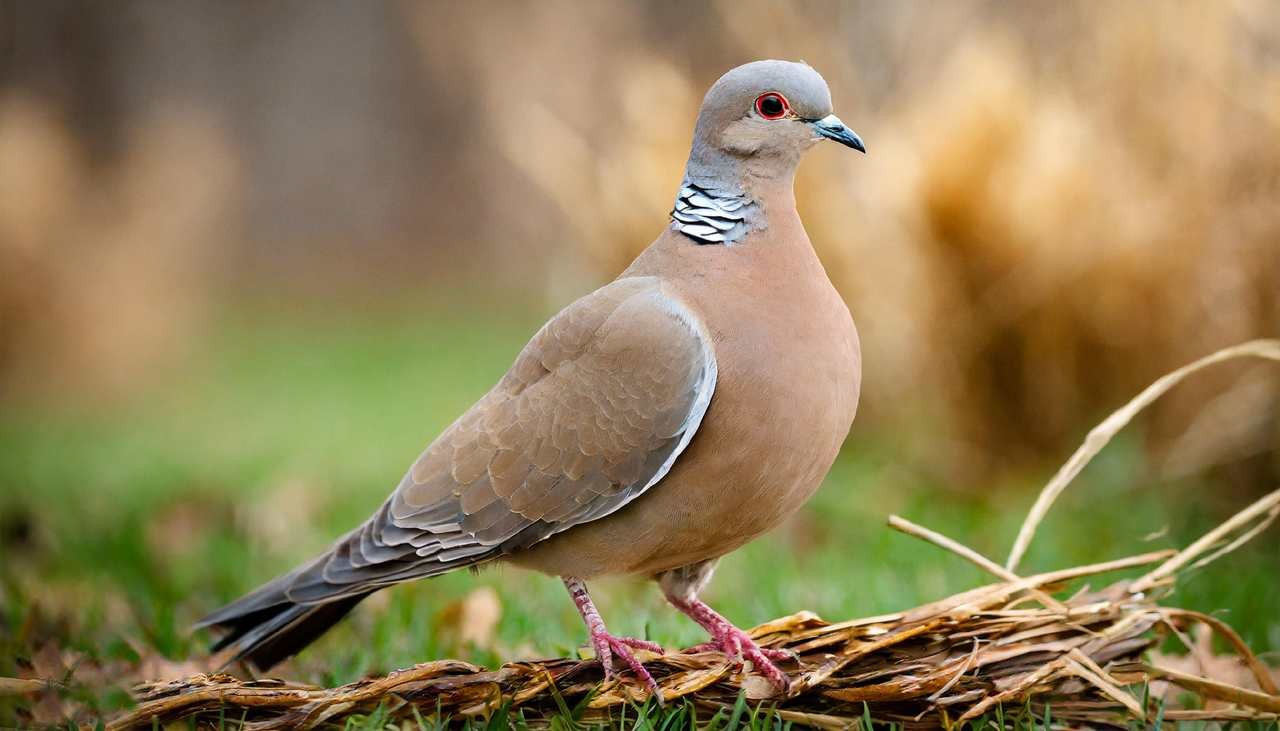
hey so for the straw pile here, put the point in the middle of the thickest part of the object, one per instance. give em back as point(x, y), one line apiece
point(996, 652)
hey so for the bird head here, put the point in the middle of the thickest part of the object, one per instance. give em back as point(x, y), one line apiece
point(767, 113)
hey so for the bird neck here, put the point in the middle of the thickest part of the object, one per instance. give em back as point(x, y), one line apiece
point(710, 212)
point(723, 198)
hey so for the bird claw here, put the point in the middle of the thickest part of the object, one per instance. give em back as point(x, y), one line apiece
point(608, 647)
point(779, 655)
point(738, 647)
point(769, 652)
point(640, 644)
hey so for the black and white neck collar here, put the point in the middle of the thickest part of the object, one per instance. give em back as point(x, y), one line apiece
point(713, 215)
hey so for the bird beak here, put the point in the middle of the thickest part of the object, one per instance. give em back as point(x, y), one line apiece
point(832, 128)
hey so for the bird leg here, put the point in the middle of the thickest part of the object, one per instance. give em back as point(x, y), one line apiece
point(733, 642)
point(608, 646)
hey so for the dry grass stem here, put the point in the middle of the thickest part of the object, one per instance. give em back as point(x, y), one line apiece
point(1101, 434)
point(970, 555)
point(1005, 645)
point(1264, 508)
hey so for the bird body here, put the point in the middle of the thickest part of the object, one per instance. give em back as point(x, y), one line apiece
point(789, 371)
point(650, 427)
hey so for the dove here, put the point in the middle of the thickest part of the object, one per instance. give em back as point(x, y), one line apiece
point(649, 428)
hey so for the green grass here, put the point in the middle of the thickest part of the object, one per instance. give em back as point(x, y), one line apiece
point(122, 523)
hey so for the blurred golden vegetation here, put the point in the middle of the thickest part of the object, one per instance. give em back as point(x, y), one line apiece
point(102, 276)
point(1060, 202)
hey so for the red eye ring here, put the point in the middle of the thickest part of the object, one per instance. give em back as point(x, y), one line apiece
point(772, 105)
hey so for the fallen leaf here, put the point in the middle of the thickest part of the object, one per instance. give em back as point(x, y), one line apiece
point(47, 663)
point(182, 526)
point(1202, 662)
point(475, 617)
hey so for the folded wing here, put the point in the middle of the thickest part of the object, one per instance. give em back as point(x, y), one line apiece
point(595, 410)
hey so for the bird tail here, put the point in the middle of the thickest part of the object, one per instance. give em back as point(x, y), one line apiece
point(265, 627)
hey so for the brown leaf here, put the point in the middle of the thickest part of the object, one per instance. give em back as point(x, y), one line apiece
point(178, 528)
point(475, 617)
point(1202, 662)
point(47, 663)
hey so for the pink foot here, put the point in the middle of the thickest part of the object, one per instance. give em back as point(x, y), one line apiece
point(733, 642)
point(738, 646)
point(608, 646)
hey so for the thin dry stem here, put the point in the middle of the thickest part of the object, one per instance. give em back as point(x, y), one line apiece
point(970, 555)
point(1264, 506)
point(1102, 434)
point(1261, 674)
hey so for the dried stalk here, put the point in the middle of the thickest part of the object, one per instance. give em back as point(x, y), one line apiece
point(1101, 434)
point(977, 559)
point(1265, 508)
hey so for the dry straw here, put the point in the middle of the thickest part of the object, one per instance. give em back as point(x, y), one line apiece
point(1006, 645)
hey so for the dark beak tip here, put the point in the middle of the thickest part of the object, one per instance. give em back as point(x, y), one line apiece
point(850, 140)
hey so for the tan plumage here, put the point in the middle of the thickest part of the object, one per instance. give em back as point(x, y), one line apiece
point(593, 412)
point(650, 427)
point(786, 390)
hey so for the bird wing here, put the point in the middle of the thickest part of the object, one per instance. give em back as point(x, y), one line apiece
point(595, 411)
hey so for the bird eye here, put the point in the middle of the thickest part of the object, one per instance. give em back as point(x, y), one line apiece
point(772, 105)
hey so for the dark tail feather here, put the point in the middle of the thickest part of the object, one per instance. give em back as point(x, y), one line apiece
point(264, 632)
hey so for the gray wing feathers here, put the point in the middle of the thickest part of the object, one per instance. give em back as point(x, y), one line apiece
point(595, 411)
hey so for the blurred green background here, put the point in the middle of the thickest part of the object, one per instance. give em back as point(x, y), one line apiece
point(254, 257)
